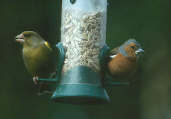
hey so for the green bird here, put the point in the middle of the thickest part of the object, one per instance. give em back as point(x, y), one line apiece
point(39, 57)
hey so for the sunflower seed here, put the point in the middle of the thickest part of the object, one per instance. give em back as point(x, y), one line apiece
point(82, 38)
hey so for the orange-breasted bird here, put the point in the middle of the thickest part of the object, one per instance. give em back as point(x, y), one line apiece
point(38, 55)
point(123, 60)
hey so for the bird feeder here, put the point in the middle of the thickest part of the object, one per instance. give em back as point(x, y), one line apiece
point(83, 35)
point(82, 53)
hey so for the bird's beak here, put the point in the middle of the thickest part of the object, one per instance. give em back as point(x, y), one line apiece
point(20, 38)
point(139, 51)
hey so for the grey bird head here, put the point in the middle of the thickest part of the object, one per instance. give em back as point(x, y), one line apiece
point(131, 47)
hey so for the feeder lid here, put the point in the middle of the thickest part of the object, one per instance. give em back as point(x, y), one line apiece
point(88, 5)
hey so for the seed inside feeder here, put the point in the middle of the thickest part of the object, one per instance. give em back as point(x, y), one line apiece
point(82, 39)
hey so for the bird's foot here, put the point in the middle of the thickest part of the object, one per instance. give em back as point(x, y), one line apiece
point(53, 75)
point(46, 92)
point(35, 80)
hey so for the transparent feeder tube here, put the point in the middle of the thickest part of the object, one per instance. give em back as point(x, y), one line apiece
point(83, 32)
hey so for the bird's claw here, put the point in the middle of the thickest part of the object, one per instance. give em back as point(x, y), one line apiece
point(35, 80)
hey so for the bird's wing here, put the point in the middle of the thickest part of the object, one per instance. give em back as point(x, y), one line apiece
point(47, 45)
point(114, 52)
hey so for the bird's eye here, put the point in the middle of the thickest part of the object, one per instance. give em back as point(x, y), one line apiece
point(133, 47)
point(72, 1)
point(26, 35)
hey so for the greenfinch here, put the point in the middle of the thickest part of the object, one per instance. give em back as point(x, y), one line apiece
point(38, 55)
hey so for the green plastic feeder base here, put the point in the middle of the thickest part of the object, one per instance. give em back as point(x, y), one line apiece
point(80, 94)
point(80, 85)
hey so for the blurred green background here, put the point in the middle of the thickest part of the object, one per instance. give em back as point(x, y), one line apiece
point(149, 21)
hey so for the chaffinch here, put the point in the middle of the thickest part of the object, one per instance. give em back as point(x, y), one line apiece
point(123, 60)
